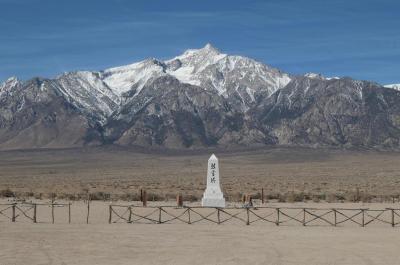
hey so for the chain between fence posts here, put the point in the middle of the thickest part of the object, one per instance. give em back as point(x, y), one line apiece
point(109, 214)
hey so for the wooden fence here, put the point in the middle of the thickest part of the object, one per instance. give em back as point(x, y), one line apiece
point(20, 212)
point(251, 215)
point(28, 211)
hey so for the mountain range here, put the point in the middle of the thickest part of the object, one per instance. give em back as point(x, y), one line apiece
point(201, 98)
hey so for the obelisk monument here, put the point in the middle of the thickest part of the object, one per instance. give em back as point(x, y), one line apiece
point(213, 196)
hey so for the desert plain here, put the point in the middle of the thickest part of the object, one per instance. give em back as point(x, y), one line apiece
point(286, 174)
point(300, 177)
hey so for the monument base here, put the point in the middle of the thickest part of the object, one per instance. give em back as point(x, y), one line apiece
point(213, 202)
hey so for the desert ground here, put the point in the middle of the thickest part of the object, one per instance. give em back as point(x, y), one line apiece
point(286, 174)
point(312, 178)
point(98, 242)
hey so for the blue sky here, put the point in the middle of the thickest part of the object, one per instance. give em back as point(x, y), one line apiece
point(360, 39)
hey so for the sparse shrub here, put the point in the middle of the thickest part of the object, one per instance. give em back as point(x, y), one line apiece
point(256, 196)
point(129, 197)
point(7, 193)
point(190, 198)
point(281, 198)
point(28, 194)
point(151, 196)
point(38, 196)
point(273, 196)
point(294, 197)
point(316, 199)
point(99, 196)
point(331, 198)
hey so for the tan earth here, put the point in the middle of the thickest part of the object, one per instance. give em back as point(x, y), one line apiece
point(101, 243)
point(122, 172)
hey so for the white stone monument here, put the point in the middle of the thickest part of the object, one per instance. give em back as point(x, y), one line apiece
point(213, 196)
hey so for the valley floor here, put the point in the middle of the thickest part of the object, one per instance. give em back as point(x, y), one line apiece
point(286, 174)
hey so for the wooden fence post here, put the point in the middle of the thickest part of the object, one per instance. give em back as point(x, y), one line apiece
point(277, 216)
point(141, 195)
point(357, 194)
point(334, 214)
point(144, 198)
point(130, 215)
point(189, 222)
point(248, 216)
point(34, 213)
point(88, 210)
point(109, 214)
point(363, 218)
point(262, 195)
point(159, 215)
point(393, 218)
point(218, 216)
point(179, 200)
point(69, 212)
point(52, 212)
point(13, 213)
point(304, 216)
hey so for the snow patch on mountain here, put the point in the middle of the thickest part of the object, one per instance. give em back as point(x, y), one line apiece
point(10, 82)
point(122, 79)
point(314, 76)
point(192, 62)
point(319, 76)
point(394, 86)
point(88, 92)
point(9, 85)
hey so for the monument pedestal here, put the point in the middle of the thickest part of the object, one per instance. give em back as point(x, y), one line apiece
point(213, 202)
point(213, 196)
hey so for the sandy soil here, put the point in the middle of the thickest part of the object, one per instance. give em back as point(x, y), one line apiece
point(63, 244)
point(203, 243)
point(126, 171)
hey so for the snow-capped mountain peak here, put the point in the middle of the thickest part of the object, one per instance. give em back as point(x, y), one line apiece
point(227, 74)
point(185, 67)
point(207, 52)
point(394, 86)
point(10, 82)
point(102, 93)
point(314, 76)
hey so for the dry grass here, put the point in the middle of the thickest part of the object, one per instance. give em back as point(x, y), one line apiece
point(286, 174)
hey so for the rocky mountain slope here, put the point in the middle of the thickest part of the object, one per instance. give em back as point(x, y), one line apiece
point(198, 99)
